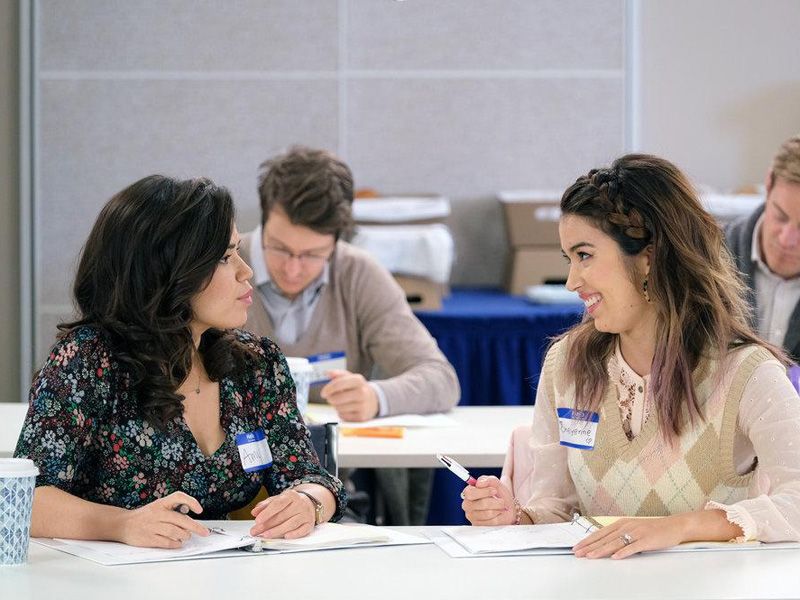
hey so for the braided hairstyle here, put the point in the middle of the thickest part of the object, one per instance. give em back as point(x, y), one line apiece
point(644, 202)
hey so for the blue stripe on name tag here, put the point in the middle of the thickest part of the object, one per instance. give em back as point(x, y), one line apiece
point(327, 356)
point(578, 415)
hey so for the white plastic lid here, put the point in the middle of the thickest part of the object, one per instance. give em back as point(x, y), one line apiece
point(17, 467)
point(299, 364)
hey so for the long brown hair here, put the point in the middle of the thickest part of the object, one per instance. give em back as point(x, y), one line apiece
point(643, 201)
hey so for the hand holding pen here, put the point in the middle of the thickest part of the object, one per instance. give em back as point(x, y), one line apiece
point(164, 523)
point(486, 501)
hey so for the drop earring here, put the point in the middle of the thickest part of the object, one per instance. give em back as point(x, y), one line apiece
point(644, 290)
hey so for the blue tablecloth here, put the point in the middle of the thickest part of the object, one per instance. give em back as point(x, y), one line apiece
point(496, 342)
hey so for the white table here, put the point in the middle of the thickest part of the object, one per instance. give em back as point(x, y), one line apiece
point(410, 572)
point(480, 438)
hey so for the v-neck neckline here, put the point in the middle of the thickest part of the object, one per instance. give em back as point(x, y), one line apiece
point(629, 448)
point(224, 421)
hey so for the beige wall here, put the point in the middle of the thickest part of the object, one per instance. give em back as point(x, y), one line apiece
point(720, 85)
point(9, 202)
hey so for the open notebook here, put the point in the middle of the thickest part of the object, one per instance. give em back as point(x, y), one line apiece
point(231, 539)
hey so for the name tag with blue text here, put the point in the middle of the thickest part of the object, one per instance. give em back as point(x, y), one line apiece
point(322, 363)
point(254, 451)
point(577, 428)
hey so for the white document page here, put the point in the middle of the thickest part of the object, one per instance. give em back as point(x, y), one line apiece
point(511, 538)
point(317, 414)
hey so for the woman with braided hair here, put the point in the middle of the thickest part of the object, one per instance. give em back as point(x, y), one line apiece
point(662, 402)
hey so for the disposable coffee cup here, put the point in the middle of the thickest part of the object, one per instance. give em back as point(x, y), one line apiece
point(301, 371)
point(17, 482)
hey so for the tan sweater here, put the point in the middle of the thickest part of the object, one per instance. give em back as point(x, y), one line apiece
point(363, 311)
point(744, 459)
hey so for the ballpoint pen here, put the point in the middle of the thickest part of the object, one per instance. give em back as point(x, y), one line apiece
point(456, 469)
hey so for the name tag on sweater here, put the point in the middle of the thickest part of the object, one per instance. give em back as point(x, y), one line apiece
point(322, 363)
point(577, 428)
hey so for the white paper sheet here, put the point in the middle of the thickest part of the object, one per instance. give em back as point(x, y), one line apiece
point(317, 414)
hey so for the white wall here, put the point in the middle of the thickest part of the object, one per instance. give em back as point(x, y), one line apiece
point(720, 85)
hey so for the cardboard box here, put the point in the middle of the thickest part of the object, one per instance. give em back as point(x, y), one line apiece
point(421, 293)
point(531, 217)
point(535, 265)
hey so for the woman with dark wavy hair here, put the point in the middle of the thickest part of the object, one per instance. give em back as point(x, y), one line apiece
point(152, 404)
point(662, 402)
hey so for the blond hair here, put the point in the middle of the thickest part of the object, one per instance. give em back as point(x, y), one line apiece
point(786, 163)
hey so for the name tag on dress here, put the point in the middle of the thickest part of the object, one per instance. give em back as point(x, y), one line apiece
point(321, 363)
point(254, 451)
point(577, 428)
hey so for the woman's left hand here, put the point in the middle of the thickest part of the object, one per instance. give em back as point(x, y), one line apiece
point(640, 535)
point(288, 515)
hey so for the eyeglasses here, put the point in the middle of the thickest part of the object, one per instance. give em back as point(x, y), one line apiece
point(306, 259)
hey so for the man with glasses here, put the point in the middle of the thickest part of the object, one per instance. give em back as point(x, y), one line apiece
point(319, 297)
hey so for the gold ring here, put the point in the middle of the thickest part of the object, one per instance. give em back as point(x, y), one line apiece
point(626, 539)
point(462, 496)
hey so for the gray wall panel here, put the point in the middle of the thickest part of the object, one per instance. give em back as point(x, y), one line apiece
point(99, 136)
point(189, 34)
point(485, 34)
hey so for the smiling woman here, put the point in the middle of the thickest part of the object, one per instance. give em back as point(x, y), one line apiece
point(662, 402)
point(153, 401)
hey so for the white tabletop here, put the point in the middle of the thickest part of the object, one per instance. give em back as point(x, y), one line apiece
point(410, 572)
point(479, 439)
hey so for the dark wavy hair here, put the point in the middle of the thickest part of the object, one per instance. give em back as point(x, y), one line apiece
point(154, 246)
point(643, 201)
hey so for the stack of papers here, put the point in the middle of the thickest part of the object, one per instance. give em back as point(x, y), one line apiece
point(231, 540)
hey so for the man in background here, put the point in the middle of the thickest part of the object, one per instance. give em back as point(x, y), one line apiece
point(766, 247)
point(321, 298)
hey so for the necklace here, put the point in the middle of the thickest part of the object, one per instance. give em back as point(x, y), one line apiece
point(197, 389)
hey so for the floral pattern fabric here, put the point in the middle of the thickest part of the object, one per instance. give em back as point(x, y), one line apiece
point(84, 433)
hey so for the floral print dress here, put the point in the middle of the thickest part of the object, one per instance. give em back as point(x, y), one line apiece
point(84, 433)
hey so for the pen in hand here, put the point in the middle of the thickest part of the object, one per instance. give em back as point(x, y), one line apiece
point(456, 469)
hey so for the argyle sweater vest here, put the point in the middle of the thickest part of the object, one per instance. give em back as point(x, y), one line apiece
point(650, 476)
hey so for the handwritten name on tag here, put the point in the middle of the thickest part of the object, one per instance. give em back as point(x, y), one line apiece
point(322, 363)
point(577, 428)
point(254, 451)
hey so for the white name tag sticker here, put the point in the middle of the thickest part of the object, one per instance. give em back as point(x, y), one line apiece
point(254, 451)
point(322, 363)
point(577, 428)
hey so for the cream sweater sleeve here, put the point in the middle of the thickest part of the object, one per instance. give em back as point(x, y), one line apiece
point(554, 498)
point(769, 415)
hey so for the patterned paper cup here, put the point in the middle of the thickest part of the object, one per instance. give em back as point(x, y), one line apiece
point(17, 481)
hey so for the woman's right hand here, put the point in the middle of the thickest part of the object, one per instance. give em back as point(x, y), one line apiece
point(160, 525)
point(488, 502)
